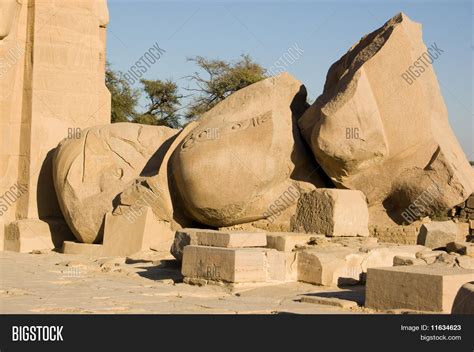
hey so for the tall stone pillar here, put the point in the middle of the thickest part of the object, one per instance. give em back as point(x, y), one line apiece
point(52, 69)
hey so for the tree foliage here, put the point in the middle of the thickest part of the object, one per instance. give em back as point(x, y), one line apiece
point(223, 79)
point(217, 80)
point(163, 103)
point(124, 97)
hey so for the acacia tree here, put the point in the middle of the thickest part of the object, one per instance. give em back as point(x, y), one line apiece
point(223, 79)
point(124, 97)
point(163, 103)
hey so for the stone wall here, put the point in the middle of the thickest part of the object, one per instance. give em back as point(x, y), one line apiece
point(52, 68)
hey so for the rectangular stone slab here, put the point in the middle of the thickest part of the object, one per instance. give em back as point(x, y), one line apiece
point(124, 237)
point(287, 241)
point(236, 265)
point(70, 247)
point(231, 239)
point(426, 288)
point(214, 238)
point(32, 234)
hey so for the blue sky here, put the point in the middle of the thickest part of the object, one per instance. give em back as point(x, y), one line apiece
point(267, 29)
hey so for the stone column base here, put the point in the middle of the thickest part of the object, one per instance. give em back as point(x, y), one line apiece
point(33, 234)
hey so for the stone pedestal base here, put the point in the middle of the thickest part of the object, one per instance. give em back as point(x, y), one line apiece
point(123, 236)
point(34, 234)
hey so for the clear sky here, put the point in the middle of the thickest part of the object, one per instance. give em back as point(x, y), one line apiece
point(264, 29)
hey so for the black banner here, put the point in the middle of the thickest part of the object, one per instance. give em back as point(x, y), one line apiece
point(217, 332)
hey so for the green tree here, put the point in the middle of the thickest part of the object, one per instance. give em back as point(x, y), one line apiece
point(223, 79)
point(124, 97)
point(163, 103)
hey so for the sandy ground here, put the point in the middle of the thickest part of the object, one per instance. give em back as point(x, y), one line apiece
point(150, 283)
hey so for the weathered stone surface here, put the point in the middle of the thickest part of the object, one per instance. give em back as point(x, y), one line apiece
point(214, 238)
point(470, 201)
point(287, 241)
point(183, 238)
point(337, 265)
point(52, 55)
point(332, 212)
point(383, 255)
point(29, 234)
point(464, 248)
point(464, 301)
point(126, 235)
point(222, 182)
point(231, 239)
point(429, 256)
point(396, 233)
point(354, 127)
point(420, 287)
point(95, 250)
point(437, 234)
point(90, 171)
point(236, 265)
point(329, 266)
point(465, 262)
point(399, 260)
point(329, 301)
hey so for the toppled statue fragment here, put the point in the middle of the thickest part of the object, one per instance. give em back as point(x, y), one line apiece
point(372, 131)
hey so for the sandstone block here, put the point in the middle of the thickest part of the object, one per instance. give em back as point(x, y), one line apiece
point(396, 233)
point(424, 287)
point(354, 127)
point(437, 234)
point(329, 267)
point(332, 212)
point(231, 239)
point(263, 116)
point(89, 249)
point(383, 256)
point(33, 234)
point(92, 170)
point(286, 241)
point(235, 265)
point(214, 238)
point(124, 235)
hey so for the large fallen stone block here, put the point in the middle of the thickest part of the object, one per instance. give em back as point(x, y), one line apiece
point(214, 238)
point(90, 171)
point(438, 234)
point(124, 235)
point(332, 212)
point(233, 265)
point(337, 265)
point(425, 287)
point(385, 132)
point(464, 300)
point(245, 159)
point(33, 234)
